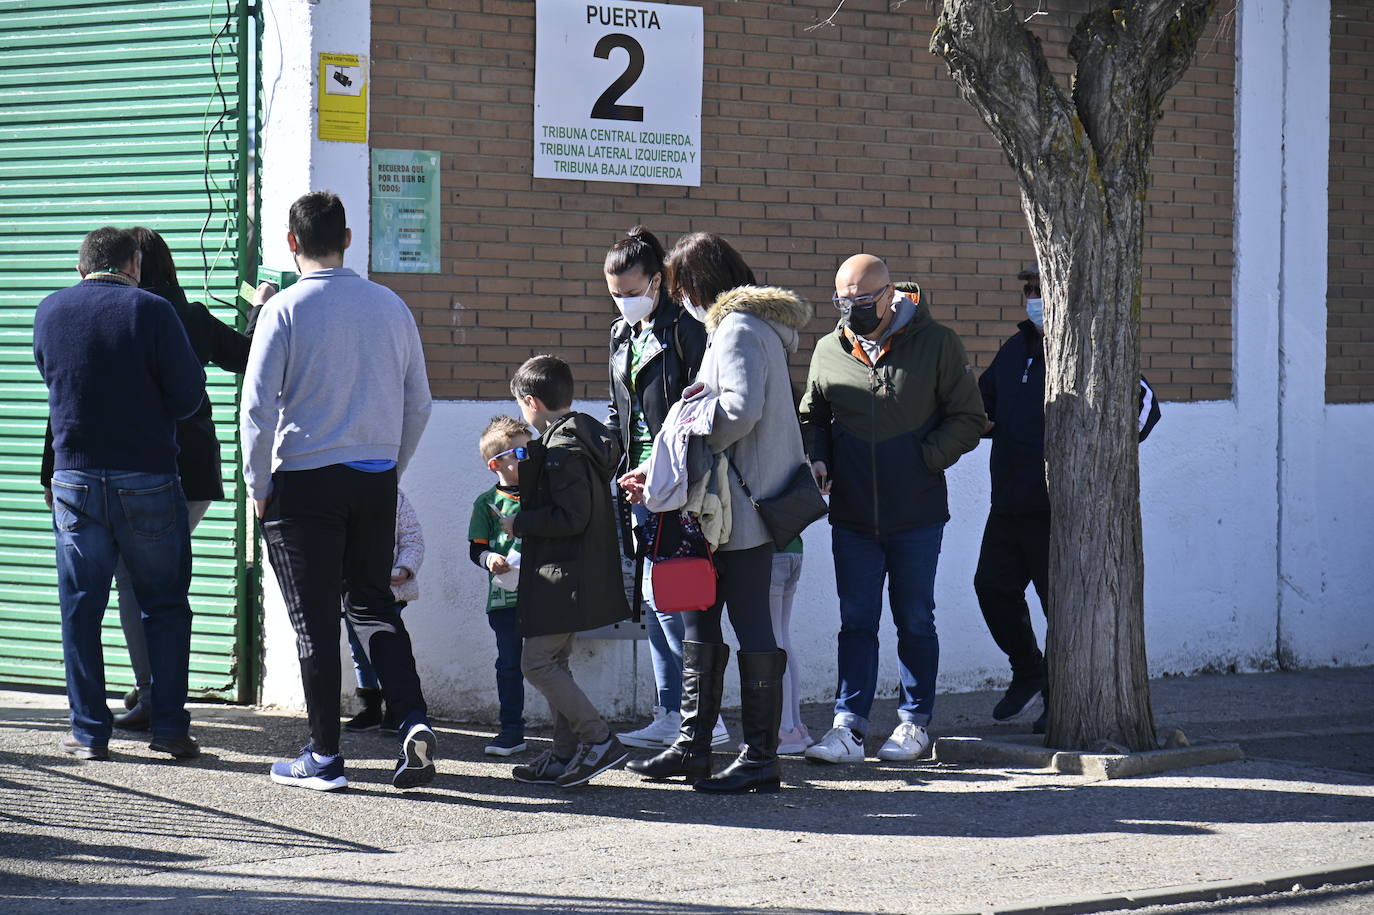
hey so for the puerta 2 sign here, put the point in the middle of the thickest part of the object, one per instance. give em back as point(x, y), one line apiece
point(617, 92)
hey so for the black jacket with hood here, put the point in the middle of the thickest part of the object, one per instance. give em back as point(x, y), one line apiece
point(1013, 390)
point(570, 578)
point(660, 380)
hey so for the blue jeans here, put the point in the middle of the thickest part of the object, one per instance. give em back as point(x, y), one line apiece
point(666, 631)
point(363, 671)
point(131, 614)
point(510, 682)
point(907, 559)
point(99, 518)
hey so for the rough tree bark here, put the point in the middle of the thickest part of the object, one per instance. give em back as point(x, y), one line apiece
point(1082, 162)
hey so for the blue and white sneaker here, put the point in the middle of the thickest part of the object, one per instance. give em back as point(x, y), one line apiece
point(305, 772)
point(416, 764)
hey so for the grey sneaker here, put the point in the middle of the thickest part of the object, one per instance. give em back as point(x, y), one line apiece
point(591, 760)
point(544, 769)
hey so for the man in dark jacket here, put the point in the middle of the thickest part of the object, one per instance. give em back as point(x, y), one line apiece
point(120, 373)
point(1016, 541)
point(569, 566)
point(889, 404)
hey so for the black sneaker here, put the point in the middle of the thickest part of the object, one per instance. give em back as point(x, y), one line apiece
point(544, 769)
point(416, 765)
point(1018, 695)
point(178, 747)
point(591, 760)
point(507, 743)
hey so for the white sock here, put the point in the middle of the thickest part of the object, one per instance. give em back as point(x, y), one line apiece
point(323, 759)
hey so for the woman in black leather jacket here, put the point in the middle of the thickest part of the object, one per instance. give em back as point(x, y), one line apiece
point(656, 350)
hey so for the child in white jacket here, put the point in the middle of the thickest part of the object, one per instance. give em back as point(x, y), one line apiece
point(405, 587)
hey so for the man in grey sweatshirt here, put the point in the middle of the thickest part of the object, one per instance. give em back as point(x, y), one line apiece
point(334, 401)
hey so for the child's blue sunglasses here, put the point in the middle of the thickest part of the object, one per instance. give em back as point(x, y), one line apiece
point(520, 453)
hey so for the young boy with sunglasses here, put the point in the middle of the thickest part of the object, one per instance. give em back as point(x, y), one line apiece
point(503, 448)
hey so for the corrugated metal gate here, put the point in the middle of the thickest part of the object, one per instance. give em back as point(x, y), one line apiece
point(120, 113)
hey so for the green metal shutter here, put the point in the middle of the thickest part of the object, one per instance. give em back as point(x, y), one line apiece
point(119, 113)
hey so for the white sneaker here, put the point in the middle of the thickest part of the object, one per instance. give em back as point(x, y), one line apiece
point(908, 742)
point(793, 740)
point(661, 732)
point(838, 745)
point(720, 736)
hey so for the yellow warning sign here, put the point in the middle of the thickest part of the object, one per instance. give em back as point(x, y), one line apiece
point(342, 98)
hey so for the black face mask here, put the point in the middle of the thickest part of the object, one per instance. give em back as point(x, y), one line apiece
point(863, 321)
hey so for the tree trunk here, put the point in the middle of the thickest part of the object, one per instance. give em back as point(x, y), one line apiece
point(1082, 167)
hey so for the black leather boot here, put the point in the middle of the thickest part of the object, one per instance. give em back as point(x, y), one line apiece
point(370, 718)
point(756, 768)
point(703, 681)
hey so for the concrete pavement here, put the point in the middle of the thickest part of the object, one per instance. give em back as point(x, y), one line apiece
point(215, 835)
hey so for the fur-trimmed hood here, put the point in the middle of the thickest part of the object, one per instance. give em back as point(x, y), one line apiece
point(786, 311)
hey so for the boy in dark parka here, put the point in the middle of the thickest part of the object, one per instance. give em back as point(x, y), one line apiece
point(570, 578)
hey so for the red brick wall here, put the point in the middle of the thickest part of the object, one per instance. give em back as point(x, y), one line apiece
point(816, 145)
point(1350, 195)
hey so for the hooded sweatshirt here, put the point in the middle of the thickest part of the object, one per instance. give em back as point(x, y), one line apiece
point(570, 578)
point(752, 329)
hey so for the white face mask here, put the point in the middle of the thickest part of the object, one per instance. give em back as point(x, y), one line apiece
point(636, 308)
point(695, 311)
point(1035, 310)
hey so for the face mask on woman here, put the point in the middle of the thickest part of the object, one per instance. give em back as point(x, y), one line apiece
point(635, 308)
point(1035, 310)
point(695, 311)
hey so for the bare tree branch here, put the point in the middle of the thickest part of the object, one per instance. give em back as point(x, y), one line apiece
point(827, 21)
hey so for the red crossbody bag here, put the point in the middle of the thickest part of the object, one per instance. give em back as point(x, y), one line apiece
point(684, 582)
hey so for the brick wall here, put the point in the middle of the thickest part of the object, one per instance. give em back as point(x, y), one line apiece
point(816, 144)
point(1350, 195)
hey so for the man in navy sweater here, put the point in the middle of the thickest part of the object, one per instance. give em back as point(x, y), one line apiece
point(120, 372)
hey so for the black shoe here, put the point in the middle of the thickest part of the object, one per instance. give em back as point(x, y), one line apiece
point(179, 747)
point(370, 718)
point(73, 747)
point(703, 681)
point(1018, 695)
point(672, 762)
point(756, 769)
point(131, 698)
point(391, 722)
point(416, 765)
point(136, 719)
point(591, 760)
point(544, 769)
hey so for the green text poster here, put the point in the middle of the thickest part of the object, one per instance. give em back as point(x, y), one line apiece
point(405, 211)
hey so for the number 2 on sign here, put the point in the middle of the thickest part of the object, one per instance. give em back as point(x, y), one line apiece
point(606, 107)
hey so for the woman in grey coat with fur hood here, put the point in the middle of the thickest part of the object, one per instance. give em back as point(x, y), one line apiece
point(752, 329)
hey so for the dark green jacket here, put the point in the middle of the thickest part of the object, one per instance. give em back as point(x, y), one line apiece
point(888, 431)
point(570, 577)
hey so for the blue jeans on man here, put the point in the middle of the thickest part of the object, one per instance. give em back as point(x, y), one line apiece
point(100, 517)
point(907, 559)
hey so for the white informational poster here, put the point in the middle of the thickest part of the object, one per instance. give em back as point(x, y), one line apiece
point(617, 92)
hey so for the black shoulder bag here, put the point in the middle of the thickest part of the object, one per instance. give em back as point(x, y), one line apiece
point(791, 511)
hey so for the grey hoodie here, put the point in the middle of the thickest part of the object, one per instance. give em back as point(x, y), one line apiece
point(752, 329)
